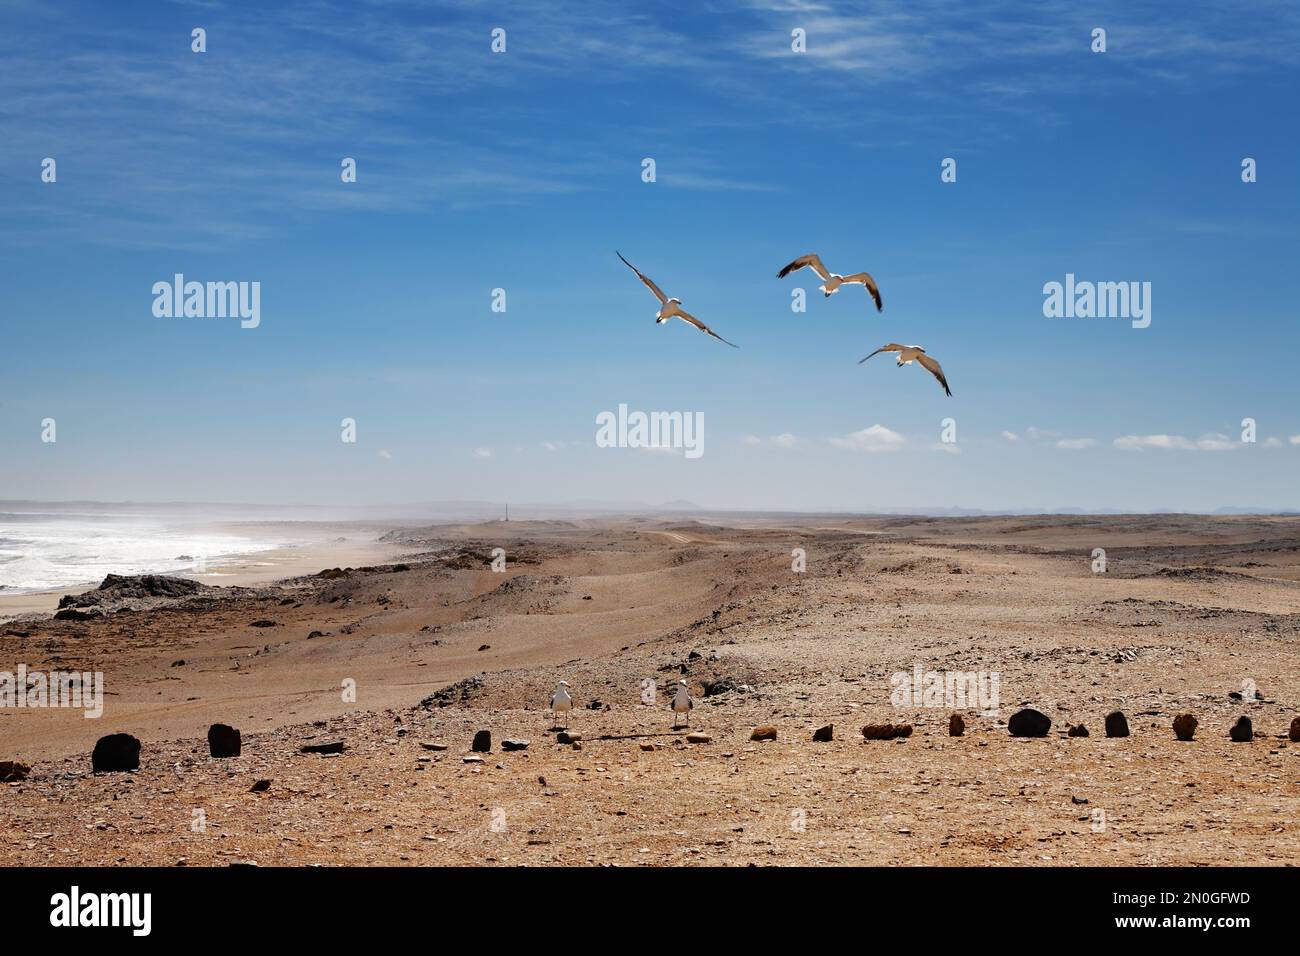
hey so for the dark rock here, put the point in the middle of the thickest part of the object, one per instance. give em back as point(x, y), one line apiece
point(1079, 801)
point(315, 634)
point(1116, 724)
point(223, 741)
point(1029, 723)
point(766, 732)
point(823, 735)
point(485, 647)
point(179, 663)
point(12, 770)
point(1295, 730)
point(886, 731)
point(1076, 730)
point(725, 685)
point(565, 737)
point(262, 622)
point(482, 742)
point(956, 726)
point(331, 574)
point(457, 693)
point(1241, 732)
point(78, 614)
point(115, 753)
point(1184, 726)
point(511, 744)
point(323, 747)
point(260, 786)
point(119, 588)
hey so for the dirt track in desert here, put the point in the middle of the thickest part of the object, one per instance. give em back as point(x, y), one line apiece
point(441, 646)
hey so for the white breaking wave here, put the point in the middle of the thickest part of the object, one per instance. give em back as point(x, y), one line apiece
point(46, 551)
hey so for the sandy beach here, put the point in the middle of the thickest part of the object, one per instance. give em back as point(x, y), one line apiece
point(439, 646)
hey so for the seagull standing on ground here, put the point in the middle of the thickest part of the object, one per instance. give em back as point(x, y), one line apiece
point(561, 702)
point(668, 308)
point(682, 703)
point(832, 281)
point(907, 354)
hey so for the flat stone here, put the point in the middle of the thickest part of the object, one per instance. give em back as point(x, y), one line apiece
point(512, 744)
point(766, 732)
point(323, 747)
point(695, 737)
point(433, 745)
point(886, 731)
point(825, 734)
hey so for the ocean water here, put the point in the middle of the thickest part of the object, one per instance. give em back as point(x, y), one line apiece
point(43, 550)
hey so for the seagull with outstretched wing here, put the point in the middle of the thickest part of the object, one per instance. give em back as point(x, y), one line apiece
point(907, 354)
point(831, 281)
point(670, 308)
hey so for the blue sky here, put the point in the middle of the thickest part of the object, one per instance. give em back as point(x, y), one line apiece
point(522, 171)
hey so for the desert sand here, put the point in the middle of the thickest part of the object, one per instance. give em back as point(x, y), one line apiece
point(441, 646)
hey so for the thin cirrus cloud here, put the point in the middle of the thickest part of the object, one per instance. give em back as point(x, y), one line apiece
point(1211, 441)
point(784, 440)
point(1076, 443)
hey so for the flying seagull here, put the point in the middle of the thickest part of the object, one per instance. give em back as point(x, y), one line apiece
point(671, 307)
point(682, 703)
point(907, 354)
point(561, 702)
point(832, 281)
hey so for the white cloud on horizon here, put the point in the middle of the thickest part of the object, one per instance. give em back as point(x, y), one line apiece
point(1211, 441)
point(874, 439)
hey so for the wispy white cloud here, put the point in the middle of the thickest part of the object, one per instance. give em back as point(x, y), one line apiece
point(1212, 441)
point(1076, 443)
point(876, 438)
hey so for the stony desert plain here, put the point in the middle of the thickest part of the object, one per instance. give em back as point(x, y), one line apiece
point(437, 646)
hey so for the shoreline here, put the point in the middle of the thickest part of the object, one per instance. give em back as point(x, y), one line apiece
point(247, 569)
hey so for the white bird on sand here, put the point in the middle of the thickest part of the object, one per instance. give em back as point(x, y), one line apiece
point(668, 308)
point(682, 703)
point(832, 281)
point(561, 702)
point(907, 354)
